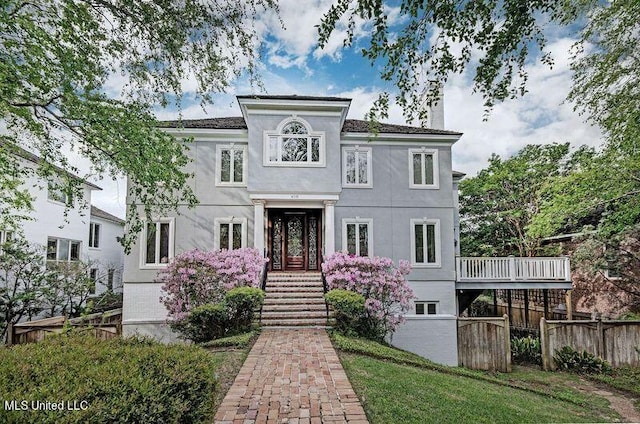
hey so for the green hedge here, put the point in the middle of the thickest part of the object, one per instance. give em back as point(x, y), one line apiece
point(349, 311)
point(121, 381)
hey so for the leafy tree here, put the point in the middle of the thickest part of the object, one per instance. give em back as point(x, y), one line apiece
point(498, 205)
point(67, 288)
point(58, 59)
point(497, 40)
point(22, 275)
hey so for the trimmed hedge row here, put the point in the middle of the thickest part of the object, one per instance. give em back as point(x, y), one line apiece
point(116, 381)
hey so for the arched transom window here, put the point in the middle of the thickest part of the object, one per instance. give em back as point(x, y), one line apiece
point(294, 144)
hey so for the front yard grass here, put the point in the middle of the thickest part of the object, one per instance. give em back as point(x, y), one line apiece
point(397, 386)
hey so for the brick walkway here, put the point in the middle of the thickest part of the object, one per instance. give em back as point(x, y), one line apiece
point(291, 376)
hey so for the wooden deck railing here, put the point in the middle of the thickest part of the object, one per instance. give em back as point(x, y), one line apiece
point(512, 269)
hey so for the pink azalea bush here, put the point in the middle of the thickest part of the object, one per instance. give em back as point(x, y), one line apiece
point(383, 285)
point(195, 278)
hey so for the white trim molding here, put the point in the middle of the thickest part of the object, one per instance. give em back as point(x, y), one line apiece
point(278, 136)
point(359, 153)
point(424, 152)
point(157, 264)
point(232, 147)
point(229, 220)
point(357, 221)
point(425, 243)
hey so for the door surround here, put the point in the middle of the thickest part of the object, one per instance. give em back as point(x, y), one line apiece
point(294, 239)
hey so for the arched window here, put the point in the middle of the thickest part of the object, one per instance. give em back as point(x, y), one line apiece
point(294, 144)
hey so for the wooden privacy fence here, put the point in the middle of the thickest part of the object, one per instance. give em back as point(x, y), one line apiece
point(614, 341)
point(103, 325)
point(484, 343)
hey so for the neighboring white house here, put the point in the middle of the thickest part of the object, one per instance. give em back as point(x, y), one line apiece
point(294, 178)
point(66, 232)
point(105, 253)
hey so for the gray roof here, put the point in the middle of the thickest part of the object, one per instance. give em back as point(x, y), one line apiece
point(350, 125)
point(25, 154)
point(294, 97)
point(99, 213)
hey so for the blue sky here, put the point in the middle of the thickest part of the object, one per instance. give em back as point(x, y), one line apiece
point(292, 64)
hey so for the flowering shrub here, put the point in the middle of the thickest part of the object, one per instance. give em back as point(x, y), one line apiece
point(195, 278)
point(383, 285)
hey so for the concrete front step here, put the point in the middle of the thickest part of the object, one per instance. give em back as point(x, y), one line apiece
point(300, 283)
point(270, 300)
point(294, 307)
point(296, 322)
point(293, 314)
point(310, 289)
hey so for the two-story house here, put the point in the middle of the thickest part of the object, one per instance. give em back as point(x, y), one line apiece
point(71, 232)
point(294, 178)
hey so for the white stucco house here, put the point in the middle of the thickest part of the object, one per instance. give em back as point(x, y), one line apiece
point(295, 178)
point(74, 233)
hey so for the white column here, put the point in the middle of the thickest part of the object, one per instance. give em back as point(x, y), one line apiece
point(329, 227)
point(258, 225)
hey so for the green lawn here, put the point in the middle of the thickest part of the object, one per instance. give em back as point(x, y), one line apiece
point(400, 387)
point(394, 393)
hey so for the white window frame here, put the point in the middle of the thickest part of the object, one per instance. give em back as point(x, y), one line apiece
point(143, 243)
point(310, 134)
point(92, 235)
point(426, 304)
point(52, 190)
point(5, 236)
point(436, 169)
point(369, 155)
point(230, 220)
point(438, 252)
point(357, 220)
point(58, 253)
point(233, 148)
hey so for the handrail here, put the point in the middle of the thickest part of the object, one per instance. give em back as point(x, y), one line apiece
point(513, 269)
point(263, 282)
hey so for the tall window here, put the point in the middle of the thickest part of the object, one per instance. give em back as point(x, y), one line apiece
point(425, 242)
point(94, 235)
point(59, 249)
point(93, 276)
point(110, 275)
point(357, 236)
point(423, 168)
point(158, 242)
point(5, 237)
point(356, 167)
point(231, 165)
point(230, 233)
point(294, 144)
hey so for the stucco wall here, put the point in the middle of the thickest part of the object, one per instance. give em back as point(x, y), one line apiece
point(108, 255)
point(432, 337)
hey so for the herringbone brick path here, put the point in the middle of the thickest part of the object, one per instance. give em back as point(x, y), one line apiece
point(291, 376)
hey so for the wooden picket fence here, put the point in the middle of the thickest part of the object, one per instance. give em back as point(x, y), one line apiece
point(484, 343)
point(103, 325)
point(617, 342)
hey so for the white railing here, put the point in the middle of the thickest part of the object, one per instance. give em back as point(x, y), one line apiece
point(513, 269)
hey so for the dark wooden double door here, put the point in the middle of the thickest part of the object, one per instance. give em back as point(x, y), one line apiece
point(294, 239)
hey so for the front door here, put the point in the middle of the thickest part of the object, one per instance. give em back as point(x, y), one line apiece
point(294, 240)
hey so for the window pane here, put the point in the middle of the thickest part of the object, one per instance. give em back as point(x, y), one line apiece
point(110, 279)
point(428, 169)
point(362, 168)
point(225, 166)
point(315, 149)
point(91, 230)
point(75, 251)
point(273, 149)
point(431, 308)
point(363, 235)
point(164, 243)
point(431, 243)
point(63, 250)
point(151, 243)
point(294, 149)
point(417, 167)
point(419, 243)
point(237, 236)
point(52, 248)
point(224, 236)
point(237, 166)
point(419, 308)
point(93, 274)
point(294, 128)
point(351, 239)
point(351, 168)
